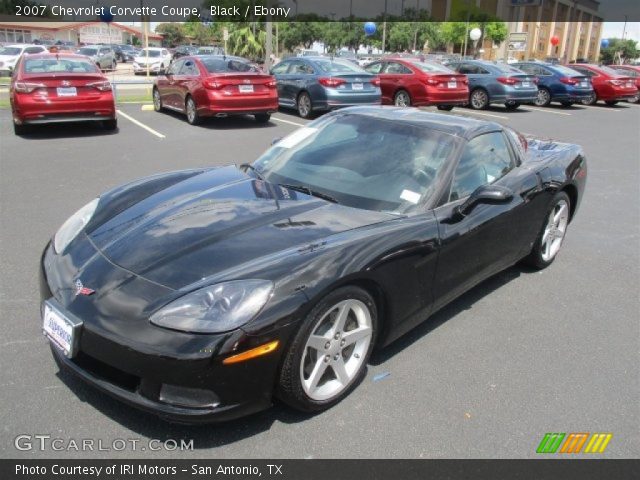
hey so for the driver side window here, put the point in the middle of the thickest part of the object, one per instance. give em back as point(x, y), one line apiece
point(485, 159)
point(175, 67)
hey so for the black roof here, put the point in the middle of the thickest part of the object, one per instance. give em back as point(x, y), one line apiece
point(451, 124)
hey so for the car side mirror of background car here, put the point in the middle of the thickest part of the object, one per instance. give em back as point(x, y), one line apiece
point(491, 194)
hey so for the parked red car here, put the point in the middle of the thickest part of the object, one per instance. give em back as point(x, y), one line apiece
point(406, 82)
point(62, 87)
point(609, 85)
point(632, 71)
point(216, 85)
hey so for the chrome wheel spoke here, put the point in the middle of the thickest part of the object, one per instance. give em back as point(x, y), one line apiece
point(318, 343)
point(316, 374)
point(561, 212)
point(354, 336)
point(340, 369)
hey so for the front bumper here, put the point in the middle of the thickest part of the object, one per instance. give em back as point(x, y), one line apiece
point(111, 357)
point(137, 68)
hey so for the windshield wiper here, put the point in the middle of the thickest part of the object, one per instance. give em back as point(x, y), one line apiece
point(248, 166)
point(308, 191)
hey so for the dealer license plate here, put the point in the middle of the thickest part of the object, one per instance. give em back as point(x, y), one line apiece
point(245, 88)
point(356, 86)
point(60, 330)
point(67, 91)
point(452, 84)
point(584, 84)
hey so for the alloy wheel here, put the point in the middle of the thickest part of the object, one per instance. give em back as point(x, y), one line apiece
point(402, 99)
point(555, 230)
point(479, 99)
point(336, 349)
point(191, 110)
point(544, 98)
point(157, 102)
point(304, 105)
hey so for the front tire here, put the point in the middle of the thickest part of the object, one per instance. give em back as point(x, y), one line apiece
point(402, 99)
point(591, 100)
point(328, 356)
point(544, 97)
point(192, 111)
point(479, 99)
point(551, 236)
point(305, 109)
point(157, 100)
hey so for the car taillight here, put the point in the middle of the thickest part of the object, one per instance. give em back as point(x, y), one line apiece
point(213, 84)
point(27, 87)
point(272, 84)
point(331, 82)
point(536, 80)
point(617, 83)
point(507, 80)
point(102, 86)
point(375, 82)
point(430, 81)
point(569, 80)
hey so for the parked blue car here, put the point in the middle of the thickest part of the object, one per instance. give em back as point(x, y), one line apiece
point(491, 82)
point(557, 83)
point(311, 84)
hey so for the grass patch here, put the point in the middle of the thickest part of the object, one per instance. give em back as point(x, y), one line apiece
point(5, 80)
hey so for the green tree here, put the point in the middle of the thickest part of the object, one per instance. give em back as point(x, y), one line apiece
point(173, 33)
point(454, 32)
point(243, 42)
point(295, 34)
point(618, 51)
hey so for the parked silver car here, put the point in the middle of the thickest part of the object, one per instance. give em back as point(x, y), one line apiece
point(102, 55)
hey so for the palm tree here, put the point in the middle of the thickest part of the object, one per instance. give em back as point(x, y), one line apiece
point(244, 43)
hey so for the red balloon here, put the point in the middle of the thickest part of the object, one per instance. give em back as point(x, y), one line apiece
point(555, 40)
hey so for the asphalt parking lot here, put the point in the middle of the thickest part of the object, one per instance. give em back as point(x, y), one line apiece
point(520, 355)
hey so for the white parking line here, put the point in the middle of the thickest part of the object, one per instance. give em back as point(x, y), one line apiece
point(141, 125)
point(288, 121)
point(536, 109)
point(604, 109)
point(473, 112)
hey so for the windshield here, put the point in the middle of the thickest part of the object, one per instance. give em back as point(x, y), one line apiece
point(88, 51)
point(220, 65)
point(53, 65)
point(337, 66)
point(152, 53)
point(566, 70)
point(361, 161)
point(431, 67)
point(10, 51)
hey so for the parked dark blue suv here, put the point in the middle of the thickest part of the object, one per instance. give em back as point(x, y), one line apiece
point(557, 83)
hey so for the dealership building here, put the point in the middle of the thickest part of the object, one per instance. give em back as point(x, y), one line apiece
point(84, 33)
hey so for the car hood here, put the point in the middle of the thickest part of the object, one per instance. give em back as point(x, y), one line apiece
point(218, 220)
point(6, 58)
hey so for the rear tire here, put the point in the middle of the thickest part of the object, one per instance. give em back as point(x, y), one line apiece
point(262, 117)
point(552, 233)
point(20, 129)
point(321, 349)
point(446, 108)
point(479, 99)
point(590, 100)
point(611, 103)
point(192, 111)
point(402, 99)
point(110, 125)
point(512, 105)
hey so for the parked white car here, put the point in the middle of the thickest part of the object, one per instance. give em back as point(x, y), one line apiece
point(10, 54)
point(155, 59)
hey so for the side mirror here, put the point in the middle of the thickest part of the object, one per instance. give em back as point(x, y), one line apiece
point(491, 194)
point(275, 140)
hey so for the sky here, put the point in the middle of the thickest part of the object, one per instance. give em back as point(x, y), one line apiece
point(614, 30)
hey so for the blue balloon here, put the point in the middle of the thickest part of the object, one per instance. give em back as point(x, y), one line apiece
point(106, 16)
point(369, 28)
point(604, 43)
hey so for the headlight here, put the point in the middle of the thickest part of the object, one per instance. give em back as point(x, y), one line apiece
point(217, 308)
point(74, 224)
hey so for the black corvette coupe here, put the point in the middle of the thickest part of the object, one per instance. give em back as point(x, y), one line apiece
point(201, 295)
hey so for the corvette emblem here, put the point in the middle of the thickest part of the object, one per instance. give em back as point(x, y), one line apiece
point(82, 290)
